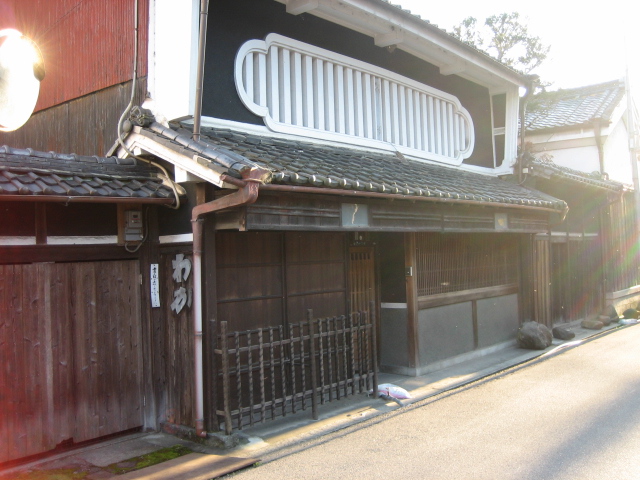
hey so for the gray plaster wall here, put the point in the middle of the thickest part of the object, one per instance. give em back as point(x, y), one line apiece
point(445, 332)
point(393, 338)
point(497, 320)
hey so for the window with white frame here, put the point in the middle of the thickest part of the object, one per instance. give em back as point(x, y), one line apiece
point(302, 89)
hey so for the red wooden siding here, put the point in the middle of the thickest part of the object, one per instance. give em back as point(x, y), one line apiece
point(87, 44)
point(70, 345)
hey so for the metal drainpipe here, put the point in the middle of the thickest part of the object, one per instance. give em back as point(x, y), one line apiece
point(245, 195)
point(202, 42)
point(597, 133)
point(532, 82)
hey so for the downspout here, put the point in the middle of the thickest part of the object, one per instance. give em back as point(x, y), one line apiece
point(246, 194)
point(597, 133)
point(202, 42)
point(532, 82)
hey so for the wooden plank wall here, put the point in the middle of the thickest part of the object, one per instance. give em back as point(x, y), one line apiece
point(541, 282)
point(176, 340)
point(70, 346)
point(86, 125)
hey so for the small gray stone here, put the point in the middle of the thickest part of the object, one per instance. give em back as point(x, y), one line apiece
point(606, 321)
point(591, 324)
point(534, 336)
point(630, 313)
point(562, 333)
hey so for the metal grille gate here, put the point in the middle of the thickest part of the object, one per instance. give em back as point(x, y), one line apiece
point(271, 372)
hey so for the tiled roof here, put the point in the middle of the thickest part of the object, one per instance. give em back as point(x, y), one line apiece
point(573, 107)
point(304, 163)
point(32, 173)
point(548, 169)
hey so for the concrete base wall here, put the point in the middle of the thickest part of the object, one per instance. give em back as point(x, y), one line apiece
point(497, 320)
point(393, 337)
point(447, 334)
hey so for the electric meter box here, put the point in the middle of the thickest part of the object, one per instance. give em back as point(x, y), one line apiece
point(133, 228)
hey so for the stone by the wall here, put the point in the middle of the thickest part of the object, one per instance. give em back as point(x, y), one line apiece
point(591, 324)
point(534, 336)
point(606, 321)
point(562, 333)
point(630, 313)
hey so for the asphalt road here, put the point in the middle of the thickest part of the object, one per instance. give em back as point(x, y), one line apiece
point(575, 415)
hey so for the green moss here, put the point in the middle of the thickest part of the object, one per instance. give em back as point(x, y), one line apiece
point(119, 468)
point(149, 459)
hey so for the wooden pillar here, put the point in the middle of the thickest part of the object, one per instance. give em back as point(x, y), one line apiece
point(413, 341)
point(209, 325)
point(41, 223)
point(152, 327)
point(210, 319)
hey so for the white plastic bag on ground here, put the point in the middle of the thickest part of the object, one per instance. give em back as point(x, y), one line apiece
point(392, 391)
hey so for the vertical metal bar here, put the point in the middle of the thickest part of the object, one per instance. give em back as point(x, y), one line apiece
point(361, 352)
point(314, 378)
point(303, 367)
point(225, 378)
point(332, 340)
point(238, 377)
point(273, 374)
point(374, 341)
point(321, 358)
point(283, 371)
point(292, 363)
point(354, 371)
point(345, 355)
point(250, 376)
point(366, 351)
point(263, 405)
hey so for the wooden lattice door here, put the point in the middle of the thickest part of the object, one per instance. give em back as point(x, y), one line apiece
point(362, 278)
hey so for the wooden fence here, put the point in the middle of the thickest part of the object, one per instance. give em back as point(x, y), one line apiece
point(70, 344)
point(273, 371)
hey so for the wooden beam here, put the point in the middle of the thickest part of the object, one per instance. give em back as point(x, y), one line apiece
point(61, 253)
point(394, 37)
point(453, 68)
point(296, 7)
point(451, 298)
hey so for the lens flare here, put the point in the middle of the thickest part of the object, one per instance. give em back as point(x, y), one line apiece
point(21, 70)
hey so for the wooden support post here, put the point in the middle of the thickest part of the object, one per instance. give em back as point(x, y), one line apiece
point(413, 341)
point(314, 373)
point(374, 346)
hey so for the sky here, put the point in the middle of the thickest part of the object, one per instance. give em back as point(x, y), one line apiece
point(587, 39)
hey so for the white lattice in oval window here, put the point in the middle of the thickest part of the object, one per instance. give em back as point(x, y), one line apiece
point(301, 89)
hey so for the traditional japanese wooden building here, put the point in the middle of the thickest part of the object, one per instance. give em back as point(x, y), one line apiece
point(352, 160)
point(349, 155)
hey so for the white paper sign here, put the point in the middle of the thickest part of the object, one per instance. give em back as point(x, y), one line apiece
point(154, 284)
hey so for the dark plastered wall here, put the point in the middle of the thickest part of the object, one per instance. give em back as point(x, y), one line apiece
point(82, 219)
point(391, 259)
point(233, 22)
point(18, 218)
